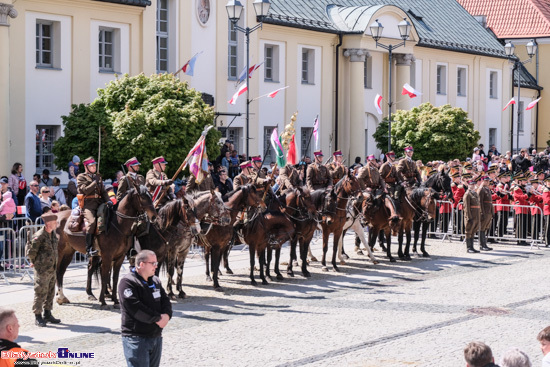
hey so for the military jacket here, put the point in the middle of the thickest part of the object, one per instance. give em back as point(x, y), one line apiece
point(486, 201)
point(389, 173)
point(472, 207)
point(289, 177)
point(207, 184)
point(91, 186)
point(369, 177)
point(155, 179)
point(257, 177)
point(408, 169)
point(240, 180)
point(318, 177)
point(43, 251)
point(127, 182)
point(337, 171)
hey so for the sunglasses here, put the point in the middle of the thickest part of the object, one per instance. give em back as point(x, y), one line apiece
point(34, 185)
point(46, 192)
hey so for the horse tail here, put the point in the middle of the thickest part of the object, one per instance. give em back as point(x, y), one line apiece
point(95, 268)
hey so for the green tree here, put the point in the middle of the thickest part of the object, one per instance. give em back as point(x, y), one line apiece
point(436, 133)
point(139, 116)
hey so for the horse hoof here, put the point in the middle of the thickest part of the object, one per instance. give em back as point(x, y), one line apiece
point(295, 263)
point(290, 274)
point(280, 277)
point(269, 277)
point(105, 307)
point(345, 256)
point(324, 268)
point(336, 268)
point(208, 278)
point(172, 296)
point(91, 297)
point(375, 262)
point(359, 252)
point(218, 289)
point(425, 254)
point(306, 274)
point(254, 283)
point(401, 257)
point(313, 259)
point(182, 295)
point(407, 257)
point(228, 271)
point(342, 262)
point(264, 282)
point(64, 300)
point(392, 260)
point(116, 306)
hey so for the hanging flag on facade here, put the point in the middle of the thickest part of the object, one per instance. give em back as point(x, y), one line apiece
point(189, 67)
point(278, 148)
point(274, 93)
point(242, 75)
point(377, 101)
point(291, 155)
point(512, 101)
point(532, 104)
point(410, 91)
point(241, 90)
point(316, 132)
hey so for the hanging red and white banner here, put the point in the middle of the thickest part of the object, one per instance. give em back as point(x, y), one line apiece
point(410, 91)
point(241, 90)
point(532, 104)
point(274, 93)
point(377, 101)
point(512, 101)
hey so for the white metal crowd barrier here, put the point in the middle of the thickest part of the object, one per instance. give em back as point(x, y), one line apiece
point(443, 223)
point(7, 248)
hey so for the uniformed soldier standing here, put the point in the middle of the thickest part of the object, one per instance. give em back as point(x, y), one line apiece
point(91, 186)
point(206, 184)
point(392, 178)
point(42, 254)
point(472, 215)
point(242, 178)
point(407, 168)
point(336, 167)
point(131, 180)
point(487, 212)
point(157, 182)
point(318, 175)
point(369, 176)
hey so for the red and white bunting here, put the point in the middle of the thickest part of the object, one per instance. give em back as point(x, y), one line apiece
point(377, 101)
point(410, 91)
point(274, 93)
point(512, 101)
point(241, 90)
point(532, 104)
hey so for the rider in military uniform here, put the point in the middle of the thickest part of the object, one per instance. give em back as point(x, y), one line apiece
point(42, 254)
point(242, 178)
point(318, 175)
point(472, 215)
point(289, 177)
point(407, 168)
point(257, 177)
point(336, 168)
point(91, 186)
point(157, 182)
point(487, 212)
point(391, 177)
point(131, 180)
point(206, 184)
point(369, 176)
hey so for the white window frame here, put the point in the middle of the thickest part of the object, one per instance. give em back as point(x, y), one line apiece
point(271, 65)
point(163, 35)
point(461, 81)
point(492, 136)
point(493, 84)
point(102, 53)
point(308, 66)
point(40, 50)
point(367, 73)
point(441, 79)
point(234, 134)
point(234, 44)
point(46, 135)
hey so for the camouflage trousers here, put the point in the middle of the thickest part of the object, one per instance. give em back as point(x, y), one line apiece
point(44, 290)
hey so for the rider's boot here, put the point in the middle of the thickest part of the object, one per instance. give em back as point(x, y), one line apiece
point(90, 251)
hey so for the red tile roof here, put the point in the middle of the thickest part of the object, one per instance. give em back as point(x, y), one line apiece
point(513, 18)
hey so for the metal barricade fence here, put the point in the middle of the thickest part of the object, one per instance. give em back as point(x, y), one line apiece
point(7, 259)
point(443, 223)
point(22, 264)
point(19, 222)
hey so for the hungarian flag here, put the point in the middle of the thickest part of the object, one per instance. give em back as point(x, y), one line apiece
point(189, 67)
point(241, 90)
point(532, 104)
point(377, 101)
point(410, 91)
point(291, 155)
point(242, 75)
point(316, 132)
point(274, 93)
point(512, 101)
point(278, 148)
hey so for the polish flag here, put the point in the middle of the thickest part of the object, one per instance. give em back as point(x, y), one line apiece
point(532, 104)
point(407, 89)
point(241, 90)
point(274, 93)
point(512, 101)
point(242, 75)
point(377, 101)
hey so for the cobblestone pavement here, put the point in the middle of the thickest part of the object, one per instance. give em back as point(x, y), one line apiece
point(416, 313)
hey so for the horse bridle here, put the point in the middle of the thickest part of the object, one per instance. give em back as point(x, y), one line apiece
point(140, 210)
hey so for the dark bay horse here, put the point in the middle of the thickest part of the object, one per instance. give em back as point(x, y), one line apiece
point(334, 214)
point(113, 245)
point(243, 200)
point(423, 219)
point(378, 217)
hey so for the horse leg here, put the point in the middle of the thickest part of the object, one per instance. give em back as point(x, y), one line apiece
point(207, 261)
point(304, 245)
point(310, 255)
point(336, 243)
point(105, 273)
point(400, 241)
point(268, 262)
point(60, 272)
point(116, 272)
point(388, 240)
point(277, 258)
point(341, 252)
point(179, 268)
point(325, 249)
point(293, 257)
point(358, 241)
point(360, 233)
point(226, 260)
point(252, 252)
point(170, 265)
point(373, 235)
point(261, 260)
point(423, 243)
point(381, 240)
point(216, 254)
point(416, 226)
point(92, 264)
point(407, 247)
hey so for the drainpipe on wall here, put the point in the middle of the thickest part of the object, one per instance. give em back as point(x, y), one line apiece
point(513, 108)
point(337, 91)
point(537, 124)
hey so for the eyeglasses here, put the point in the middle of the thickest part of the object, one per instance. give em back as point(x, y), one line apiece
point(34, 185)
point(154, 263)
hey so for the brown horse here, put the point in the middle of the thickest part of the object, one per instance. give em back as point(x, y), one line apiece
point(422, 220)
point(113, 245)
point(244, 199)
point(207, 207)
point(377, 214)
point(334, 214)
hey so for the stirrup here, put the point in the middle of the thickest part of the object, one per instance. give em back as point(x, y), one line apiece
point(92, 253)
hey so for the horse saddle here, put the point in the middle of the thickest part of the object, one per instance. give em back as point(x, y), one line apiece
point(75, 225)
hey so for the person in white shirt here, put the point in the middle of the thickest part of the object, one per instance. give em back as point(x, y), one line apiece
point(544, 340)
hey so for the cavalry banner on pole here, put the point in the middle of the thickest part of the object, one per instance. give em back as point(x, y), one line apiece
point(278, 147)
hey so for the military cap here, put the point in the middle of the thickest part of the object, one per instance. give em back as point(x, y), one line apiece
point(256, 158)
point(539, 172)
point(547, 178)
point(159, 160)
point(48, 217)
point(89, 161)
point(336, 153)
point(318, 153)
point(534, 180)
point(132, 162)
point(467, 176)
point(503, 174)
point(391, 153)
point(245, 164)
point(409, 149)
point(108, 187)
point(472, 182)
point(485, 178)
point(468, 166)
point(455, 174)
point(371, 157)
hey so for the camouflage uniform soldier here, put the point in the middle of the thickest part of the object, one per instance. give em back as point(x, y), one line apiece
point(157, 182)
point(487, 212)
point(289, 178)
point(407, 168)
point(472, 215)
point(91, 186)
point(369, 177)
point(336, 168)
point(131, 180)
point(391, 177)
point(42, 254)
point(244, 177)
point(318, 175)
point(207, 184)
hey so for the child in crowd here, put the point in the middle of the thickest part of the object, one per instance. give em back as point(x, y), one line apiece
point(55, 206)
point(7, 207)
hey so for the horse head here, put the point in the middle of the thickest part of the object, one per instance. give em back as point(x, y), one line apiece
point(428, 203)
point(330, 206)
point(188, 210)
point(140, 201)
point(251, 197)
point(217, 209)
point(349, 184)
